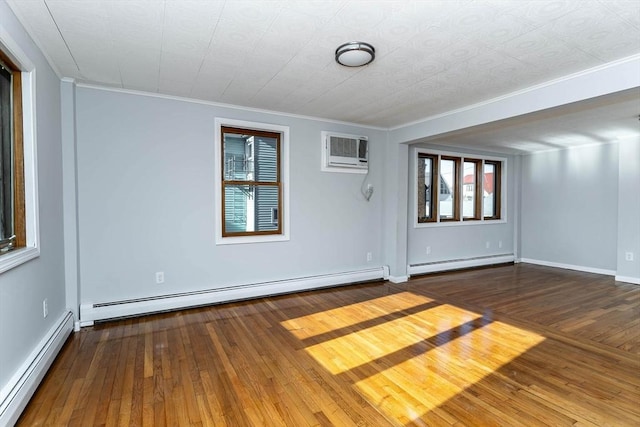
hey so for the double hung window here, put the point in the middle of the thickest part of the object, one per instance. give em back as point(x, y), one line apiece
point(252, 182)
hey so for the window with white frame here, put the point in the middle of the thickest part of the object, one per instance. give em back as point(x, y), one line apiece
point(251, 185)
point(252, 182)
point(454, 188)
point(18, 172)
point(12, 209)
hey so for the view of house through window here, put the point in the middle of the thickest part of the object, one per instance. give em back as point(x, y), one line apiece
point(450, 186)
point(12, 211)
point(251, 184)
point(492, 190)
point(448, 195)
point(426, 186)
point(471, 189)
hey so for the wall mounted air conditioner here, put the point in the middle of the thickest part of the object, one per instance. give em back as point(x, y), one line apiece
point(345, 153)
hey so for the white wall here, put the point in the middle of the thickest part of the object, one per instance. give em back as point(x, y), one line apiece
point(629, 210)
point(22, 289)
point(570, 207)
point(461, 241)
point(146, 201)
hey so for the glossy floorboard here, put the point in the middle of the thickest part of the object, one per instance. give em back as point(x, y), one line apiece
point(515, 345)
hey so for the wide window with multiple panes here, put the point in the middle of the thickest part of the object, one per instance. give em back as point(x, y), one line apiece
point(453, 188)
point(12, 200)
point(251, 182)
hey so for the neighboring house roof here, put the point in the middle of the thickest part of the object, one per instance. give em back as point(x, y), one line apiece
point(488, 181)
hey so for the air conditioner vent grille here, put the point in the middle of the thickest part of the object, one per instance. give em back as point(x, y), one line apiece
point(343, 147)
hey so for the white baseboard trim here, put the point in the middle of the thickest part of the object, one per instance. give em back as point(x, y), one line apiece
point(458, 264)
point(628, 279)
point(398, 279)
point(90, 313)
point(15, 395)
point(569, 266)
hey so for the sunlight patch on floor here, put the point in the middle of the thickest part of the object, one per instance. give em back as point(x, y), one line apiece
point(407, 366)
point(346, 352)
point(330, 320)
point(424, 382)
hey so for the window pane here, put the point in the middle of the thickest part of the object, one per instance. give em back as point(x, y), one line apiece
point(447, 188)
point(425, 186)
point(250, 158)
point(489, 190)
point(469, 190)
point(251, 208)
point(6, 159)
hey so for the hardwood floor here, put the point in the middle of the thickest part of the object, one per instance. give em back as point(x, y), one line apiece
point(515, 345)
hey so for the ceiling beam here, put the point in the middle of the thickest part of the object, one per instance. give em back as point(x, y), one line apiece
point(610, 78)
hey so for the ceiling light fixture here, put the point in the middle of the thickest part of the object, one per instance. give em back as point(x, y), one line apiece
point(355, 54)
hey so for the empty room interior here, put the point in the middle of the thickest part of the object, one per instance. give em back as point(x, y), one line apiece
point(314, 213)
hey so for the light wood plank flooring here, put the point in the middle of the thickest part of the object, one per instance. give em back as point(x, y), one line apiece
point(516, 345)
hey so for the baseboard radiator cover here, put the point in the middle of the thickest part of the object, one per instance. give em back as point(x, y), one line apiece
point(89, 313)
point(15, 395)
point(458, 264)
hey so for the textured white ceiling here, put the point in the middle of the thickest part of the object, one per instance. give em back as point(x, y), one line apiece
point(432, 56)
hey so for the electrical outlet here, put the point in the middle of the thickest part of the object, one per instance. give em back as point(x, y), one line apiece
point(45, 308)
point(628, 256)
point(369, 256)
point(159, 277)
point(428, 250)
point(488, 244)
point(500, 243)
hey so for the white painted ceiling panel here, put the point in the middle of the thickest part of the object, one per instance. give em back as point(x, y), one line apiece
point(176, 66)
point(622, 9)
point(431, 56)
point(80, 16)
point(179, 88)
point(206, 87)
point(43, 30)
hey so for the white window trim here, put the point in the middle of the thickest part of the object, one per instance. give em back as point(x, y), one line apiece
point(461, 221)
point(19, 256)
point(284, 177)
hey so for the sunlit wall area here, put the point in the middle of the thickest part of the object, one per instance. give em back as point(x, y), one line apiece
point(569, 207)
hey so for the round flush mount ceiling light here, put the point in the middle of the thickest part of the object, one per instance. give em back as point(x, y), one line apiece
point(355, 54)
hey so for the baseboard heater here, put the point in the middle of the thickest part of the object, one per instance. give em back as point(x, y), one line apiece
point(457, 264)
point(89, 313)
point(15, 395)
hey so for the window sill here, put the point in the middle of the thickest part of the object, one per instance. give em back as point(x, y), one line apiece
point(459, 223)
point(252, 239)
point(17, 257)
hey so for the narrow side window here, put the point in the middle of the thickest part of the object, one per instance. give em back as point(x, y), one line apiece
point(427, 188)
point(449, 201)
point(491, 189)
point(472, 189)
point(12, 191)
